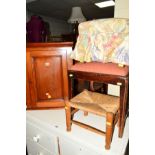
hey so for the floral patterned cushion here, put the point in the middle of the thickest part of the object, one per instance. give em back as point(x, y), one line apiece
point(103, 40)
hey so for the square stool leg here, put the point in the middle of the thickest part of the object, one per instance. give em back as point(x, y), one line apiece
point(68, 117)
point(109, 129)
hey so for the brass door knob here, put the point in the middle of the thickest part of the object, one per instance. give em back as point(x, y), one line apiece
point(47, 64)
point(48, 95)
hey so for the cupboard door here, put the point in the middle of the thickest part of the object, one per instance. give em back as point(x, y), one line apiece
point(47, 76)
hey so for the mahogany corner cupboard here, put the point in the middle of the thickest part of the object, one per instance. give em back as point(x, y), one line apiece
point(46, 74)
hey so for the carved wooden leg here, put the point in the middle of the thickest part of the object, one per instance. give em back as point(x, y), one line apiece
point(109, 129)
point(68, 117)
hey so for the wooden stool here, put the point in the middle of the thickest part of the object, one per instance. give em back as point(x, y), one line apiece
point(96, 103)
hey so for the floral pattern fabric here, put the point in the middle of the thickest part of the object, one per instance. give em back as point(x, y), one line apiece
point(103, 40)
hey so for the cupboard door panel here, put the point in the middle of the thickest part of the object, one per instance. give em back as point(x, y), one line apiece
point(48, 75)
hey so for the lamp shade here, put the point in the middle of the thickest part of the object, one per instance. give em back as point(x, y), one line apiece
point(76, 15)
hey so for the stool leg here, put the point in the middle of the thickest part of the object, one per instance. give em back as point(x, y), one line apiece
point(109, 129)
point(68, 117)
point(118, 122)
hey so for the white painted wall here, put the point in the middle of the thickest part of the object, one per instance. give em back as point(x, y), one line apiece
point(121, 9)
point(57, 27)
point(113, 90)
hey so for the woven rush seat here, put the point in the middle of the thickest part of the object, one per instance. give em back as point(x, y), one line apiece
point(95, 102)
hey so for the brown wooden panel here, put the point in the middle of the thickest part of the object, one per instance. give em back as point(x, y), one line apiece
point(48, 75)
